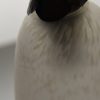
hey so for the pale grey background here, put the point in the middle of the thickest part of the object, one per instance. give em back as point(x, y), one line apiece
point(12, 13)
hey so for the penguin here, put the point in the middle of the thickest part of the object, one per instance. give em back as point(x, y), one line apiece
point(57, 53)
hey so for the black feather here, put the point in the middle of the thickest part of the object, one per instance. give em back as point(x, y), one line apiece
point(52, 10)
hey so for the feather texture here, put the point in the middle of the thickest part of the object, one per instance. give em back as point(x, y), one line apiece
point(59, 60)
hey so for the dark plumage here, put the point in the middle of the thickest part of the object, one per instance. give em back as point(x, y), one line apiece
point(52, 10)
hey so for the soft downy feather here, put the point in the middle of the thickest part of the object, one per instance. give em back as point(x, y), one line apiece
point(59, 60)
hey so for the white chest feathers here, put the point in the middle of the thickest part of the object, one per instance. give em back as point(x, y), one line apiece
point(59, 60)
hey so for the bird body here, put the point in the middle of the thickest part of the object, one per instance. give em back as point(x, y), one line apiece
point(59, 60)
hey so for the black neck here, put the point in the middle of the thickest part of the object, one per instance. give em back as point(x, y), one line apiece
point(53, 10)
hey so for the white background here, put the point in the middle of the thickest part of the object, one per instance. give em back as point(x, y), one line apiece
point(12, 13)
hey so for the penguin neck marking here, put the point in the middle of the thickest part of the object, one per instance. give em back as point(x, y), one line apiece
point(46, 13)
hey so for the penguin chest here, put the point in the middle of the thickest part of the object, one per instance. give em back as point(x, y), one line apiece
point(58, 77)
